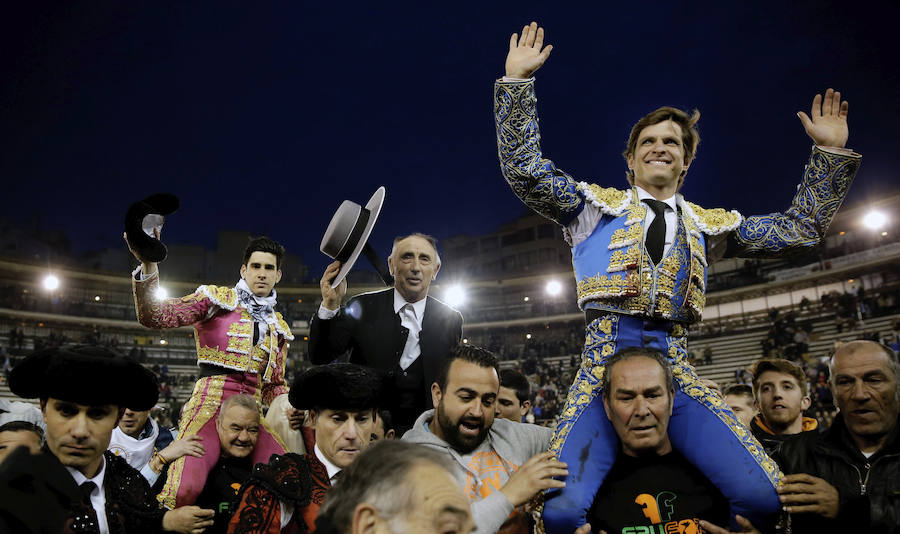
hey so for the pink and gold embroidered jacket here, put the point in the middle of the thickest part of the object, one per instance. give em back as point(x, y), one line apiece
point(223, 330)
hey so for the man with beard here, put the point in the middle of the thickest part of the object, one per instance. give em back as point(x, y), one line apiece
point(500, 464)
point(779, 387)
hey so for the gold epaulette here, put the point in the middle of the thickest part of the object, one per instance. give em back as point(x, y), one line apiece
point(223, 297)
point(713, 221)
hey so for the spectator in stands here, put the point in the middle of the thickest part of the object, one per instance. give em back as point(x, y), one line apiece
point(707, 355)
point(649, 483)
point(500, 465)
point(289, 490)
point(241, 348)
point(740, 398)
point(149, 447)
point(514, 399)
point(382, 329)
point(780, 391)
point(83, 392)
point(846, 479)
point(20, 434)
point(238, 426)
point(384, 426)
point(397, 488)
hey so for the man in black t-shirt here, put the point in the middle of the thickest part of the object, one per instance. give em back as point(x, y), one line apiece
point(650, 484)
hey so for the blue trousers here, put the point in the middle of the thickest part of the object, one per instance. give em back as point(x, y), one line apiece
point(702, 428)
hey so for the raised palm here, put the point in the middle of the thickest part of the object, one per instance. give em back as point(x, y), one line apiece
point(828, 125)
point(526, 53)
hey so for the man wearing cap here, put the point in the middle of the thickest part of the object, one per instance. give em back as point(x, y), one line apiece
point(83, 392)
point(402, 331)
point(641, 256)
point(288, 491)
point(241, 348)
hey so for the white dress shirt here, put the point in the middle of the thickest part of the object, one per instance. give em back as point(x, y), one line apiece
point(98, 496)
point(411, 318)
point(583, 226)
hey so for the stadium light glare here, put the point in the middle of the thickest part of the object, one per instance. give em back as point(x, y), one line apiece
point(51, 283)
point(527, 336)
point(163, 342)
point(874, 220)
point(96, 298)
point(525, 299)
point(465, 341)
point(553, 288)
point(455, 296)
point(161, 293)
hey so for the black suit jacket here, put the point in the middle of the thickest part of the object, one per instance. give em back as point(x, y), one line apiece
point(368, 327)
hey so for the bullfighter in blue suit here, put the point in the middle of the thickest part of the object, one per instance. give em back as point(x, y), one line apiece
point(640, 257)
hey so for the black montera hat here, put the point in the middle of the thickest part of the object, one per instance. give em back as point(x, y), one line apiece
point(338, 386)
point(140, 220)
point(86, 374)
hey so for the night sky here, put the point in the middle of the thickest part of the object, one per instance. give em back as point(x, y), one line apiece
point(264, 116)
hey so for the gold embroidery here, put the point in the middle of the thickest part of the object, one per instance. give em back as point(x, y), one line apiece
point(715, 220)
point(228, 360)
point(610, 200)
point(624, 237)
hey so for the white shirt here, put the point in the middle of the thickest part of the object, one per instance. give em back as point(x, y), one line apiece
point(98, 496)
point(414, 325)
point(583, 226)
point(330, 468)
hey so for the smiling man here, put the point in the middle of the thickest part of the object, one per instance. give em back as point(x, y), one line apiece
point(640, 257)
point(499, 464)
point(241, 347)
point(402, 331)
point(288, 490)
point(849, 476)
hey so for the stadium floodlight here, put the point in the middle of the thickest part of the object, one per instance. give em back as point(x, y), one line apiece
point(874, 220)
point(528, 336)
point(96, 298)
point(161, 293)
point(163, 342)
point(526, 299)
point(465, 341)
point(51, 283)
point(553, 288)
point(455, 296)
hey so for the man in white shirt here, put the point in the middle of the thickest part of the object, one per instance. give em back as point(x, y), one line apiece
point(402, 331)
point(640, 258)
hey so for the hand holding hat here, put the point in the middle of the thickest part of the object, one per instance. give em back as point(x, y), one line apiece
point(347, 235)
point(143, 223)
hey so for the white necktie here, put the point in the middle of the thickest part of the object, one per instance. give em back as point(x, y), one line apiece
point(411, 351)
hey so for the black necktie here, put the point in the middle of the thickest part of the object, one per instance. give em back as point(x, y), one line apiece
point(88, 520)
point(656, 234)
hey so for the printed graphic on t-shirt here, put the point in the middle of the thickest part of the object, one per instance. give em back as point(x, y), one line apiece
point(494, 473)
point(660, 510)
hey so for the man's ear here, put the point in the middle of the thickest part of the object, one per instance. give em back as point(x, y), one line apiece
point(805, 402)
point(313, 417)
point(278, 276)
point(391, 265)
point(434, 274)
point(243, 270)
point(365, 519)
point(606, 407)
point(436, 394)
point(526, 405)
point(390, 434)
point(630, 160)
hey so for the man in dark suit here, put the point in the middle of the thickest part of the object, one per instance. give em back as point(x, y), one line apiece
point(401, 331)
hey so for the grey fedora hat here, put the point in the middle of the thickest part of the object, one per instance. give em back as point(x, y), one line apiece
point(349, 230)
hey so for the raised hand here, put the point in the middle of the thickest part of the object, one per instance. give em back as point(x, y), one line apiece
point(527, 53)
point(828, 125)
point(147, 268)
point(331, 297)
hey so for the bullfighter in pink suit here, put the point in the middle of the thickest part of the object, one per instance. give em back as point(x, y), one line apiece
point(241, 348)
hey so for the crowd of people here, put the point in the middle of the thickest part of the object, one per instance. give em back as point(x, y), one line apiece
point(638, 441)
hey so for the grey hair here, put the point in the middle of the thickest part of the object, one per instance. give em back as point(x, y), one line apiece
point(243, 400)
point(379, 477)
point(855, 346)
point(431, 241)
point(632, 352)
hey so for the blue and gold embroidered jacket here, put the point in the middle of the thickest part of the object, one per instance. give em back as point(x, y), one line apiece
point(612, 270)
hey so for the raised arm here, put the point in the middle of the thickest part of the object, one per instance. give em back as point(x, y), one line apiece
point(825, 183)
point(534, 179)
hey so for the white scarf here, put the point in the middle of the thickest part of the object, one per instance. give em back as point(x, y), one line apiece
point(137, 452)
point(262, 309)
